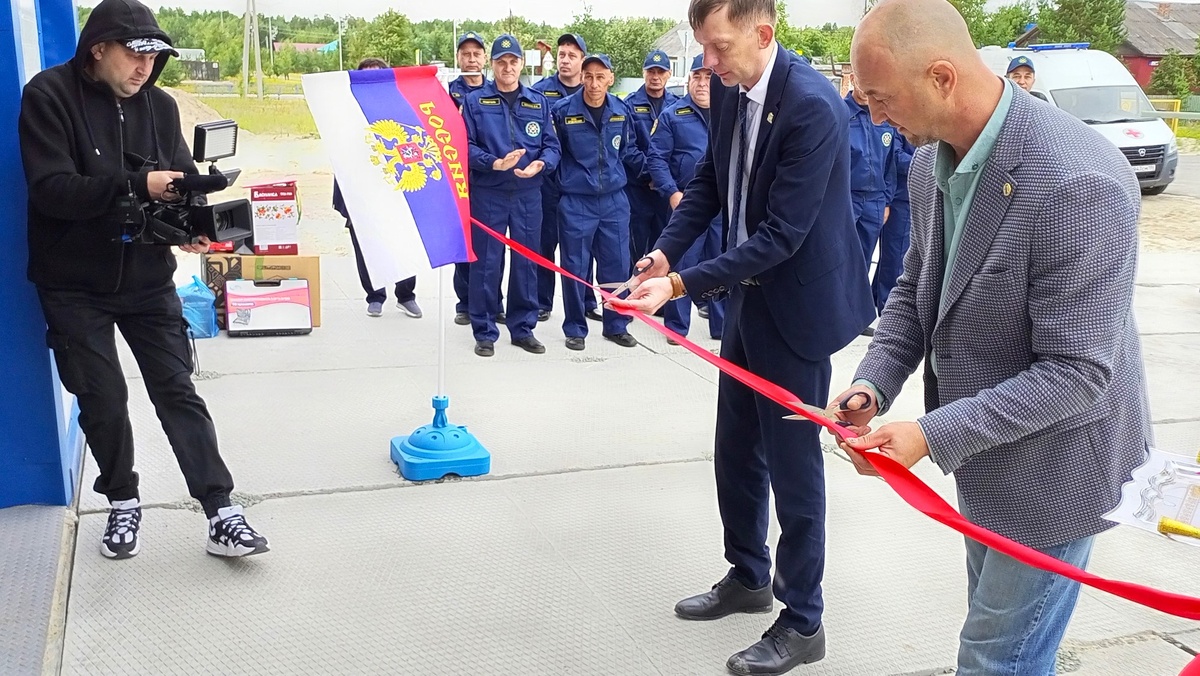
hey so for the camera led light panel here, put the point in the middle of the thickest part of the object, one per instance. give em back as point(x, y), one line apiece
point(215, 140)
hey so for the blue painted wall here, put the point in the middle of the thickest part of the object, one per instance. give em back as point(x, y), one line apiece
point(39, 440)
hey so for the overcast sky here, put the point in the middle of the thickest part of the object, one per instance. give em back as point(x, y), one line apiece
point(556, 12)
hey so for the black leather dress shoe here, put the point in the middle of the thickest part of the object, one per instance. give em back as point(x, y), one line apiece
point(543, 315)
point(501, 318)
point(594, 315)
point(623, 339)
point(462, 318)
point(575, 344)
point(530, 344)
point(780, 650)
point(484, 348)
point(727, 597)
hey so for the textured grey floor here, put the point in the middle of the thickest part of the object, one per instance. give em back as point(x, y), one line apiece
point(599, 514)
point(30, 538)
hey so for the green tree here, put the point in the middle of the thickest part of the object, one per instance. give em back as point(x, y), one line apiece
point(172, 74)
point(1173, 77)
point(1099, 22)
point(625, 40)
point(837, 41)
point(389, 37)
point(1004, 25)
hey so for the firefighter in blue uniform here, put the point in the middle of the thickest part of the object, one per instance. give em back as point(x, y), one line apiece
point(567, 80)
point(648, 210)
point(677, 144)
point(872, 172)
point(893, 241)
point(595, 129)
point(470, 57)
point(512, 144)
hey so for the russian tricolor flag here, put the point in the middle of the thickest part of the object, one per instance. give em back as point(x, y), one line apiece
point(398, 147)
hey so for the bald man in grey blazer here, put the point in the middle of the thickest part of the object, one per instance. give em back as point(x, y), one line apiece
point(1017, 296)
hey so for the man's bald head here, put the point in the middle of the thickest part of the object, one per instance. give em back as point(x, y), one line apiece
point(917, 66)
point(915, 32)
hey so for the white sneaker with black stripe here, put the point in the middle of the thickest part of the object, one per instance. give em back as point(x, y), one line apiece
point(230, 535)
point(120, 539)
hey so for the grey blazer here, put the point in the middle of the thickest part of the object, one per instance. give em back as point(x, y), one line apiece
point(1039, 405)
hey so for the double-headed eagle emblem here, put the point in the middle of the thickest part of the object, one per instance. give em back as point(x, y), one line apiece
point(405, 154)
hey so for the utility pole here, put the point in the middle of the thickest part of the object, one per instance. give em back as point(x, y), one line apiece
point(271, 40)
point(258, 75)
point(246, 50)
point(341, 39)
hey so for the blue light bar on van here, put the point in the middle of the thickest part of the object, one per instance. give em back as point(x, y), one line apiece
point(1061, 45)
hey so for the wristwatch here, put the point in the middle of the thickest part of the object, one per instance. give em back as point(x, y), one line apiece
point(677, 289)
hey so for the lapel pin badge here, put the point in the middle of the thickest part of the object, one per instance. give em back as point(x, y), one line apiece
point(770, 118)
point(1008, 189)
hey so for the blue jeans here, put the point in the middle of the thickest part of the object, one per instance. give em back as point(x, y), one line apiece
point(1017, 614)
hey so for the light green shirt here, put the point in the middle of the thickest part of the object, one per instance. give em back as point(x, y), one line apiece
point(957, 185)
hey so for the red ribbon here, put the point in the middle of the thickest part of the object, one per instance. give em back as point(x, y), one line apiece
point(906, 484)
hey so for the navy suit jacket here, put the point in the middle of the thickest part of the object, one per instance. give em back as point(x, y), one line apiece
point(802, 246)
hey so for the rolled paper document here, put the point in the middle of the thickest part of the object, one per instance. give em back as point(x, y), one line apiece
point(1168, 526)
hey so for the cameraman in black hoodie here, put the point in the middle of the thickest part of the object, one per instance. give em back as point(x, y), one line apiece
point(92, 131)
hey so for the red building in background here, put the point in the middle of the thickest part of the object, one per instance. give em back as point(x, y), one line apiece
point(1152, 30)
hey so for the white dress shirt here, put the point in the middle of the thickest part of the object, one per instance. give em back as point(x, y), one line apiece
point(756, 98)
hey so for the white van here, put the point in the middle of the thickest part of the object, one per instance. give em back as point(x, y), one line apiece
point(1096, 88)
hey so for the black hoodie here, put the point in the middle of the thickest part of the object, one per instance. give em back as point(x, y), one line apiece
point(72, 137)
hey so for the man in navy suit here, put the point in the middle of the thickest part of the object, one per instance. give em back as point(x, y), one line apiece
point(778, 172)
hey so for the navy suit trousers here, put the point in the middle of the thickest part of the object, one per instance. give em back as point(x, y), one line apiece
point(757, 451)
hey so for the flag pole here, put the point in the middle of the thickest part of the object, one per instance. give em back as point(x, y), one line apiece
point(441, 383)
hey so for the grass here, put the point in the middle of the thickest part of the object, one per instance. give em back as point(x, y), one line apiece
point(1188, 129)
point(272, 117)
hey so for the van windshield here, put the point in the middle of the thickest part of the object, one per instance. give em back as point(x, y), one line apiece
point(1105, 105)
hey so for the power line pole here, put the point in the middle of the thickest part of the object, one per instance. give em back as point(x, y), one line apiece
point(258, 74)
point(341, 39)
point(246, 50)
point(271, 40)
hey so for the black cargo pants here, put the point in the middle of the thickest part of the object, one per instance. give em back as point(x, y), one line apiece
point(80, 331)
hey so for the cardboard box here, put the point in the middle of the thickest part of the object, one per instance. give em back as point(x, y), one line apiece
point(276, 215)
point(221, 268)
point(272, 307)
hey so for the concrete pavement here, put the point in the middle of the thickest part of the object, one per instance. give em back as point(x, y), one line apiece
point(598, 515)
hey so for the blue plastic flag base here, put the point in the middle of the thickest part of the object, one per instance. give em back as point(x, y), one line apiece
point(436, 450)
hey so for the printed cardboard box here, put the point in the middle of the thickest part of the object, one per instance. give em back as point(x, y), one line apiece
point(275, 208)
point(221, 268)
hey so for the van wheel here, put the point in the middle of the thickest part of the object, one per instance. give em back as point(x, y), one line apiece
point(1156, 190)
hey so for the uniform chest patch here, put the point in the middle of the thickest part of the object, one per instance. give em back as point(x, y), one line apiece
point(573, 119)
point(616, 142)
point(617, 118)
point(551, 94)
point(533, 129)
point(685, 110)
point(887, 139)
point(641, 109)
point(529, 104)
point(489, 102)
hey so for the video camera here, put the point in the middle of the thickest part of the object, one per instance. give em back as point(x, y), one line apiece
point(184, 221)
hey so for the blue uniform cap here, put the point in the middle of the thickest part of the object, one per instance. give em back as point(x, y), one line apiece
point(471, 36)
point(598, 58)
point(698, 63)
point(657, 59)
point(575, 38)
point(1018, 62)
point(506, 44)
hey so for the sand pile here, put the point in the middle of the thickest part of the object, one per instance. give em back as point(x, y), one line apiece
point(193, 111)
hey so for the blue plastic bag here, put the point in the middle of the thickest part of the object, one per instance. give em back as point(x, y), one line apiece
point(199, 308)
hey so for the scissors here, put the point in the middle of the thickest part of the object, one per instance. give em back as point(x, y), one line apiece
point(620, 288)
point(843, 405)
